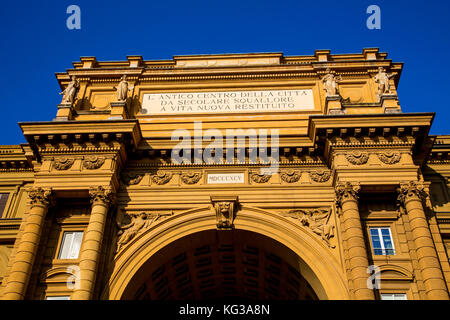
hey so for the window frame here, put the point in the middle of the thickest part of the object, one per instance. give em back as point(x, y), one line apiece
point(380, 235)
point(393, 294)
point(65, 229)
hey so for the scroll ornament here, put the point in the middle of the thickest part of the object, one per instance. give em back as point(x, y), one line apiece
point(93, 162)
point(318, 220)
point(139, 222)
point(320, 175)
point(40, 196)
point(389, 156)
point(63, 163)
point(132, 179)
point(357, 157)
point(260, 177)
point(191, 177)
point(290, 175)
point(162, 177)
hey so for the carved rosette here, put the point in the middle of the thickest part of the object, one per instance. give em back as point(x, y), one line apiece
point(162, 177)
point(410, 191)
point(357, 157)
point(320, 175)
point(191, 177)
point(63, 163)
point(40, 196)
point(317, 220)
point(258, 177)
point(389, 156)
point(93, 162)
point(346, 191)
point(290, 175)
point(225, 208)
point(101, 196)
point(132, 179)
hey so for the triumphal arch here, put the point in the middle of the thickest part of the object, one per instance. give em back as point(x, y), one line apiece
point(258, 176)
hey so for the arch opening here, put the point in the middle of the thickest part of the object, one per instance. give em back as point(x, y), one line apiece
point(216, 265)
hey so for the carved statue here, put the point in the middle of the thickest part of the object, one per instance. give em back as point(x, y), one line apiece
point(123, 88)
point(382, 78)
point(330, 83)
point(138, 221)
point(70, 91)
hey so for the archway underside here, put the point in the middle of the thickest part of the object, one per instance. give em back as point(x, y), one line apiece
point(216, 265)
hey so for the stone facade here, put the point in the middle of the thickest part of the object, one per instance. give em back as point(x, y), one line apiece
point(214, 225)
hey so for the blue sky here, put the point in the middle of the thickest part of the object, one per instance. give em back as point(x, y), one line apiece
point(35, 43)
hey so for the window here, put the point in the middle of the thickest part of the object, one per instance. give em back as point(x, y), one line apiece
point(393, 296)
point(3, 200)
point(58, 298)
point(382, 241)
point(70, 245)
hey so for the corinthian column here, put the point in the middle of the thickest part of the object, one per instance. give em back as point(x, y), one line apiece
point(26, 252)
point(92, 243)
point(410, 197)
point(347, 200)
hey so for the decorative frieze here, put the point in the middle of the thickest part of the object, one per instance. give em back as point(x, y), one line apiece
point(259, 177)
point(389, 156)
point(132, 179)
point(93, 162)
point(63, 163)
point(317, 220)
point(190, 177)
point(320, 175)
point(162, 177)
point(357, 157)
point(290, 175)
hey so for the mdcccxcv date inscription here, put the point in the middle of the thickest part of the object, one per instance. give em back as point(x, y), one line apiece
point(226, 309)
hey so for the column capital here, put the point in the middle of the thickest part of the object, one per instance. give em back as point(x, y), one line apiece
point(101, 196)
point(40, 196)
point(412, 190)
point(346, 191)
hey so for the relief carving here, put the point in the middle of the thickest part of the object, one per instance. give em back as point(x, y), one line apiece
point(132, 179)
point(162, 177)
point(320, 175)
point(191, 177)
point(318, 220)
point(290, 175)
point(93, 162)
point(260, 177)
point(225, 208)
point(389, 156)
point(139, 222)
point(63, 163)
point(357, 157)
